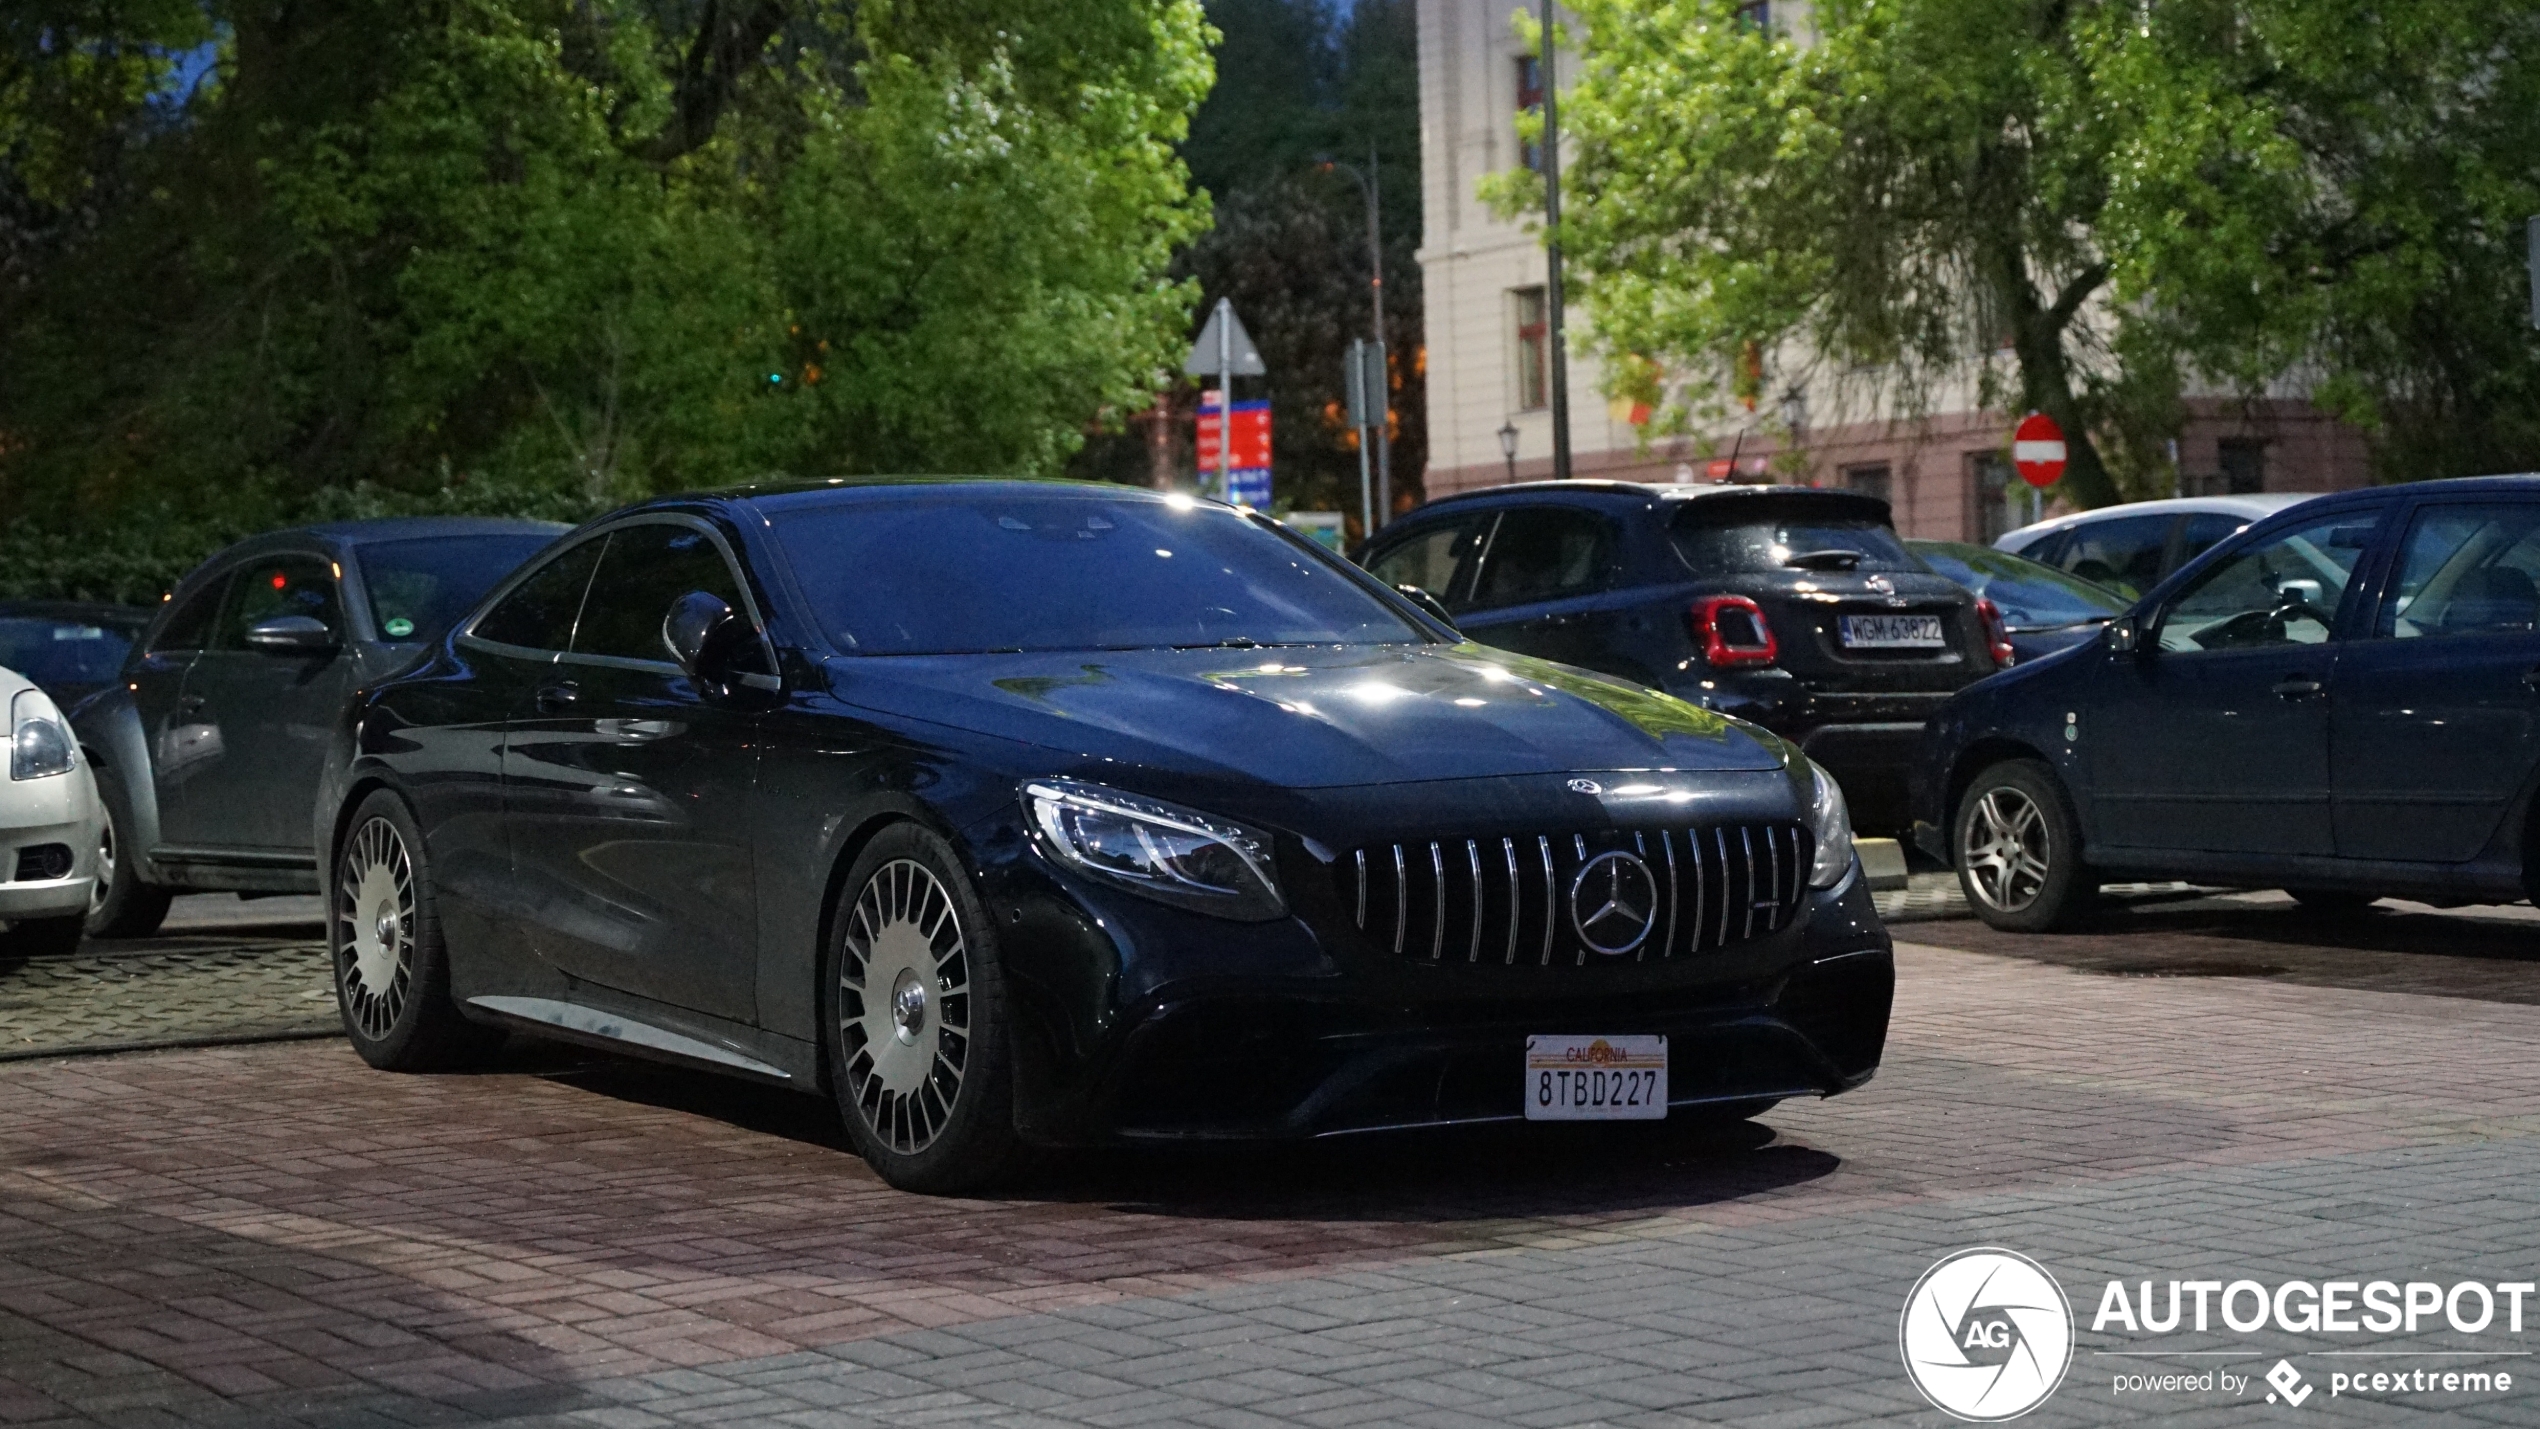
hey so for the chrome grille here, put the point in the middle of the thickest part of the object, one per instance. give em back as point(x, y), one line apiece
point(1505, 899)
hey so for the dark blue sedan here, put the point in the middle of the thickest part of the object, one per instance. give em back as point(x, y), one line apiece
point(1008, 812)
point(2342, 701)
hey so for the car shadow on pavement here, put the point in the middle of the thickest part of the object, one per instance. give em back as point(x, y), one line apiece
point(2491, 955)
point(1489, 1172)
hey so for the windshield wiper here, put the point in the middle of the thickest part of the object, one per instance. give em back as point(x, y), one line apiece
point(1827, 560)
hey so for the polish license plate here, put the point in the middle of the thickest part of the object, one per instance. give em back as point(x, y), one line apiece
point(1596, 1078)
point(1893, 632)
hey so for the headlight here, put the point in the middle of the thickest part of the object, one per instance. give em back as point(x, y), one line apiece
point(38, 744)
point(1830, 821)
point(1166, 852)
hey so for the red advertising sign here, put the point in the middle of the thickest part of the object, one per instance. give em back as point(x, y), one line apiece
point(1252, 436)
point(2037, 449)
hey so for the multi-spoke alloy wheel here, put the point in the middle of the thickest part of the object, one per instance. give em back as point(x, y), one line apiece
point(2019, 848)
point(2005, 849)
point(904, 1005)
point(105, 862)
point(375, 927)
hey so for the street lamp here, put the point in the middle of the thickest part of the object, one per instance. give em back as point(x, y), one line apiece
point(1508, 448)
point(1795, 416)
point(1369, 186)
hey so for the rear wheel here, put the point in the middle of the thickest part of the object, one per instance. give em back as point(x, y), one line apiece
point(392, 972)
point(916, 1031)
point(2018, 849)
point(121, 905)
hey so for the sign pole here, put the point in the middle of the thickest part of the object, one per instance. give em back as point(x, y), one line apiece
point(1225, 396)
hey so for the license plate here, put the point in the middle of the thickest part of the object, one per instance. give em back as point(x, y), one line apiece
point(1893, 632)
point(1596, 1078)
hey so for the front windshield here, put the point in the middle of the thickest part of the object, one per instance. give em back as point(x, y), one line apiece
point(418, 586)
point(2030, 596)
point(940, 570)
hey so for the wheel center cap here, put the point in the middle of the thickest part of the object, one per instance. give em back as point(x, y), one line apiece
point(386, 928)
point(908, 1005)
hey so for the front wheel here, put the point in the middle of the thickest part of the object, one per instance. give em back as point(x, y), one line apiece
point(392, 972)
point(2018, 847)
point(915, 997)
point(120, 905)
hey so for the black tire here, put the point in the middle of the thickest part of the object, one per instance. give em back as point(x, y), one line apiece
point(2017, 846)
point(122, 906)
point(2333, 900)
point(913, 1011)
point(42, 937)
point(383, 933)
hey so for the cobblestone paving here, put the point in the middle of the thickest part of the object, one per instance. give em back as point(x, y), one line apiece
point(273, 1234)
point(225, 970)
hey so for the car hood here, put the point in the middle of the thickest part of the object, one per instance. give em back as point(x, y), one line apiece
point(1319, 717)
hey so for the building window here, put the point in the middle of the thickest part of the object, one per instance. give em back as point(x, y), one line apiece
point(1870, 480)
point(1995, 489)
point(1755, 15)
point(2244, 465)
point(1529, 101)
point(1532, 335)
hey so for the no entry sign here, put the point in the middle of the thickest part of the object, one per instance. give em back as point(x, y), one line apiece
point(2037, 449)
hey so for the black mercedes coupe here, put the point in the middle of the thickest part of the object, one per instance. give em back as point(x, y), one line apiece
point(1014, 812)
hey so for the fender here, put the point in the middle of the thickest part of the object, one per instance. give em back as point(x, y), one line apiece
point(110, 736)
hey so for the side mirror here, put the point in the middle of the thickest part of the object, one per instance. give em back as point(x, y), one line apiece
point(291, 635)
point(713, 642)
point(1430, 605)
point(2121, 635)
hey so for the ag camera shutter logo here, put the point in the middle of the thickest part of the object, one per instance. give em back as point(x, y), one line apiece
point(1986, 1335)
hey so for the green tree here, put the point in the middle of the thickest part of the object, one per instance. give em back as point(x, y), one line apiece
point(555, 254)
point(2124, 198)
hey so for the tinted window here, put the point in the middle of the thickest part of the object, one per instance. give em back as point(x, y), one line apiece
point(1542, 553)
point(1429, 559)
point(61, 652)
point(278, 585)
point(1715, 544)
point(2030, 596)
point(936, 571)
point(191, 624)
point(2284, 591)
point(2468, 570)
point(418, 587)
point(540, 611)
point(2123, 553)
point(647, 568)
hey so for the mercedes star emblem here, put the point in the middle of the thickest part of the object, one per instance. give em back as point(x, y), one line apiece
point(1614, 903)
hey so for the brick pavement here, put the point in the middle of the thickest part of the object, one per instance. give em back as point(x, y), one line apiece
point(276, 1235)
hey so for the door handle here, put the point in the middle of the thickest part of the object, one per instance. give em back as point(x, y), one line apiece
point(559, 697)
point(2297, 687)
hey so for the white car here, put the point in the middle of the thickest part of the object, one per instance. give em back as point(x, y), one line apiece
point(52, 827)
point(2129, 548)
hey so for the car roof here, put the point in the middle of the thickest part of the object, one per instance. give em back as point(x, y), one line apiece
point(85, 612)
point(409, 528)
point(2249, 507)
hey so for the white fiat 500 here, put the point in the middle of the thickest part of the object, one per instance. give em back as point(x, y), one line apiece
point(52, 828)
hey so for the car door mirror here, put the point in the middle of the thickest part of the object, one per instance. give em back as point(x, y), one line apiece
point(1430, 605)
point(291, 635)
point(2121, 635)
point(714, 643)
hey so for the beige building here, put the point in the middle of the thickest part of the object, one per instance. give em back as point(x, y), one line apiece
point(1948, 475)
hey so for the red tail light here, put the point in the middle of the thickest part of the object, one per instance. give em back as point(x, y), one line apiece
point(1996, 634)
point(1733, 632)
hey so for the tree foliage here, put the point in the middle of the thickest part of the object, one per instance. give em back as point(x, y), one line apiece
point(556, 254)
point(2129, 200)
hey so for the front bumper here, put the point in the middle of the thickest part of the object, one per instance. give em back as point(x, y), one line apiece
point(1283, 1037)
point(1867, 741)
point(49, 833)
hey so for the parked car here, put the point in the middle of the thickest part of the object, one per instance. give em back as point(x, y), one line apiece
point(1041, 812)
point(70, 648)
point(1795, 608)
point(208, 749)
point(2042, 609)
point(50, 826)
point(2133, 547)
point(2337, 702)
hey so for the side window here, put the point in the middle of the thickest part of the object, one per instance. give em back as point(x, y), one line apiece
point(1542, 553)
point(191, 623)
point(2283, 591)
point(277, 585)
point(647, 567)
point(2467, 570)
point(540, 611)
point(1430, 558)
point(2123, 554)
point(2204, 531)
